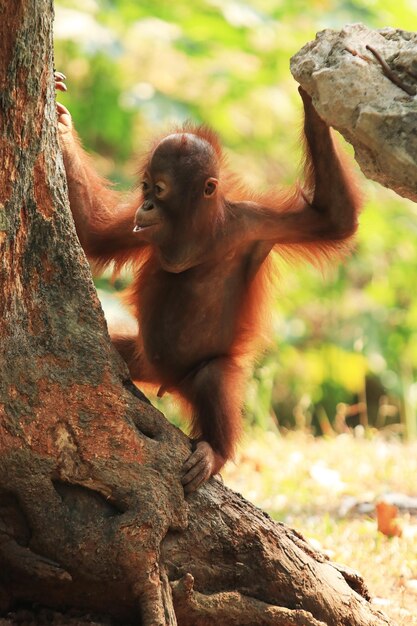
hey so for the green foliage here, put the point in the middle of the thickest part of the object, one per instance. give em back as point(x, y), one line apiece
point(344, 348)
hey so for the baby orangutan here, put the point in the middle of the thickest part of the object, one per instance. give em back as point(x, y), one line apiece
point(200, 243)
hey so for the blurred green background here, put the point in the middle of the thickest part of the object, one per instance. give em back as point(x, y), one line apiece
point(344, 347)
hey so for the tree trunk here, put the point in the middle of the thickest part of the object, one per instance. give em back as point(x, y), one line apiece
point(92, 511)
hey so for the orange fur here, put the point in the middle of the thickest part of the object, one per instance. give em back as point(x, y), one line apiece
point(202, 323)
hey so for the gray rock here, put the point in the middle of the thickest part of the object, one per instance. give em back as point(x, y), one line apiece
point(351, 91)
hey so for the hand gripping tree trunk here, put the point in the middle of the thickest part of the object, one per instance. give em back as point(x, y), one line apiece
point(92, 511)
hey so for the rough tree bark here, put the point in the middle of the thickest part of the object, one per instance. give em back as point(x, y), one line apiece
point(92, 512)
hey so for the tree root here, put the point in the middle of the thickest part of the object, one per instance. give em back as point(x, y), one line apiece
point(232, 608)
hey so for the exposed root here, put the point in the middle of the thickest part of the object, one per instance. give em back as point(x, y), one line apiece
point(353, 579)
point(26, 562)
point(232, 608)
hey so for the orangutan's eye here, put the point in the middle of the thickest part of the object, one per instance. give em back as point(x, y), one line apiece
point(160, 189)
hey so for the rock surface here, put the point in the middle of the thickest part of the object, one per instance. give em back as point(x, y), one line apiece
point(364, 83)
